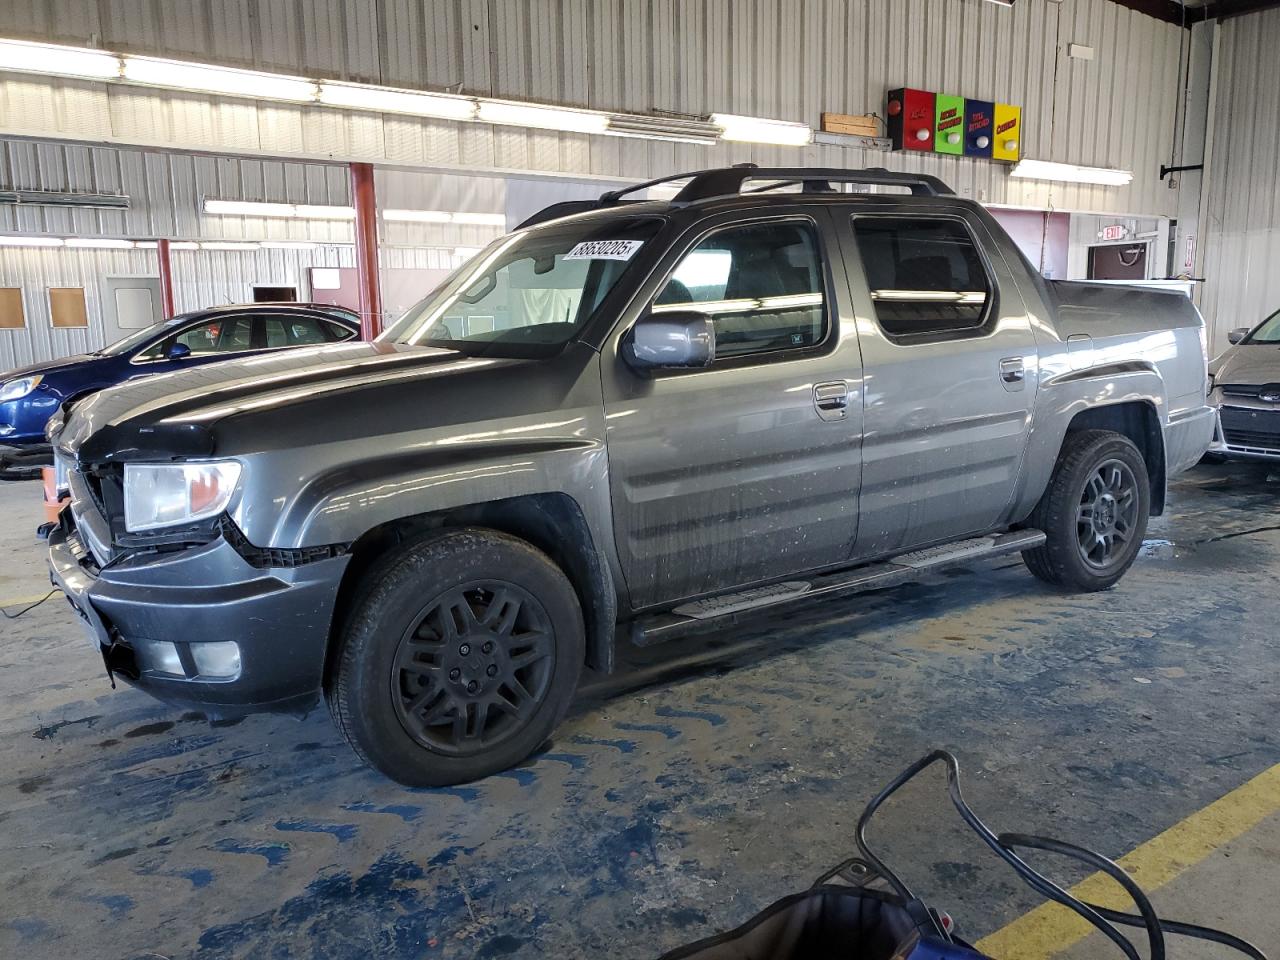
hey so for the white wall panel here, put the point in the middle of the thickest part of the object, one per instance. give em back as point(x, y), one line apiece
point(789, 59)
point(1241, 224)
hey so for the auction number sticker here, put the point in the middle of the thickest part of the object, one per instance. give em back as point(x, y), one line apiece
point(605, 250)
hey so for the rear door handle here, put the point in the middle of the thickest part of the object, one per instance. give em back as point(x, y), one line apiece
point(1013, 371)
point(831, 399)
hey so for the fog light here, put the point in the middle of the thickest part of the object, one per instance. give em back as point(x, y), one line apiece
point(159, 656)
point(220, 660)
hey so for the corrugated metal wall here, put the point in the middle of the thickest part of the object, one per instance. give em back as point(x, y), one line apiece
point(1241, 223)
point(167, 191)
point(788, 59)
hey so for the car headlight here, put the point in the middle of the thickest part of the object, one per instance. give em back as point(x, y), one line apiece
point(14, 389)
point(165, 494)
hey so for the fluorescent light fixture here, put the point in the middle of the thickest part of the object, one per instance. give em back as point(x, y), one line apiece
point(184, 245)
point(247, 208)
point(20, 241)
point(359, 96)
point(417, 216)
point(291, 211)
point(99, 243)
point(147, 245)
point(227, 81)
point(288, 245)
point(759, 130)
point(1002, 3)
point(1070, 173)
point(663, 128)
point(25, 57)
point(229, 245)
point(444, 216)
point(313, 211)
point(480, 219)
point(542, 117)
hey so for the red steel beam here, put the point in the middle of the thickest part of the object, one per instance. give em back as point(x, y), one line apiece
point(166, 278)
point(366, 205)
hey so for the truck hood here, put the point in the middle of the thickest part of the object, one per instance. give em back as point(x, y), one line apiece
point(181, 414)
point(1255, 363)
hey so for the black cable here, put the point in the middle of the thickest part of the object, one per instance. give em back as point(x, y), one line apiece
point(1045, 887)
point(1100, 917)
point(1148, 919)
point(15, 616)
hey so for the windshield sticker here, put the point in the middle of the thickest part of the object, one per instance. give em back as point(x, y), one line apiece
point(605, 250)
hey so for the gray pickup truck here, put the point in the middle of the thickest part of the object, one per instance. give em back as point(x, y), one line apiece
point(623, 421)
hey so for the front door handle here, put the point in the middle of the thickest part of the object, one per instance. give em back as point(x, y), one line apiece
point(831, 399)
point(1013, 371)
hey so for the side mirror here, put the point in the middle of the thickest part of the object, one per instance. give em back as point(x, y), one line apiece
point(1238, 334)
point(177, 351)
point(681, 339)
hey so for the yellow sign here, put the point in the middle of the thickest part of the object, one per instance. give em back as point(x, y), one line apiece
point(1006, 141)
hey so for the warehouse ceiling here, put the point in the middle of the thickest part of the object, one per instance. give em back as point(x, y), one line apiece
point(1171, 11)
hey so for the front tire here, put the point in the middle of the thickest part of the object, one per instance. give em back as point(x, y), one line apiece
point(1094, 512)
point(460, 655)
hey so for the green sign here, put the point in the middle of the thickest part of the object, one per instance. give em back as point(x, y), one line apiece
point(948, 134)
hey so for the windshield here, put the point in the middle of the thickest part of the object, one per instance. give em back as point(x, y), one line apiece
point(529, 293)
point(136, 339)
point(1267, 332)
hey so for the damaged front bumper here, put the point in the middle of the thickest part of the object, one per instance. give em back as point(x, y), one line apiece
point(201, 626)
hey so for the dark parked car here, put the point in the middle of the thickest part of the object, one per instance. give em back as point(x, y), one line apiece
point(614, 426)
point(30, 395)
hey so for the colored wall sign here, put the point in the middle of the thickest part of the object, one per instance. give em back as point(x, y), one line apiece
point(948, 134)
point(1114, 231)
point(911, 119)
point(1006, 142)
point(979, 121)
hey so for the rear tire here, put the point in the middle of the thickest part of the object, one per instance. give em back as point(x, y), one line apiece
point(460, 655)
point(1094, 512)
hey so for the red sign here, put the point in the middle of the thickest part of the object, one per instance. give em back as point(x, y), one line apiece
point(1116, 231)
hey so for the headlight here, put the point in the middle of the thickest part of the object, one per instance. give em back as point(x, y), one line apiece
point(19, 388)
point(162, 495)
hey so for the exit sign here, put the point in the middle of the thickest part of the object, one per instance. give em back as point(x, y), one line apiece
point(1117, 231)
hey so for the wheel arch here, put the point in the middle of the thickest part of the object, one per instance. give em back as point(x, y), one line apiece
point(552, 522)
point(1139, 422)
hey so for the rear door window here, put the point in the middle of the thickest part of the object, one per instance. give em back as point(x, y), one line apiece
point(926, 277)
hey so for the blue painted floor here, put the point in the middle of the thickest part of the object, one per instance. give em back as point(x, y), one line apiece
point(671, 804)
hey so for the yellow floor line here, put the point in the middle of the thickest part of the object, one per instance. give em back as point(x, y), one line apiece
point(1050, 928)
point(22, 601)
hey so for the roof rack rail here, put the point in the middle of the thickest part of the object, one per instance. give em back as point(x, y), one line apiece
point(727, 181)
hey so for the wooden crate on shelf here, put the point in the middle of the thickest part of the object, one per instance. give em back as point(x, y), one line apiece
point(853, 125)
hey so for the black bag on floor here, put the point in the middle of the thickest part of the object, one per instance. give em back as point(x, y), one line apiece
point(830, 922)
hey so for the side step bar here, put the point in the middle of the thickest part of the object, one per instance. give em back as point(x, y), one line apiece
point(669, 625)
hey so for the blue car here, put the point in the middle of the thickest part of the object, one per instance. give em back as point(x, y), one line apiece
point(29, 396)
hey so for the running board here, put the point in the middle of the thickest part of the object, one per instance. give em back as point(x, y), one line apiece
point(668, 625)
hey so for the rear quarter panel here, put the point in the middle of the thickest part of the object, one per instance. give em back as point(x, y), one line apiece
point(1101, 344)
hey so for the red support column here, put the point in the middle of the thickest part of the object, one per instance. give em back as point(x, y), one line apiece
point(166, 279)
point(366, 205)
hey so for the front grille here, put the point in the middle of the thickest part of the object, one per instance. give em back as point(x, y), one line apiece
point(1256, 429)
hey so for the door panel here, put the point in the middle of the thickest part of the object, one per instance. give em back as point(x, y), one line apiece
point(950, 366)
point(742, 471)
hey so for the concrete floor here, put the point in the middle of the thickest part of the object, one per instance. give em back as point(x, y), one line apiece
point(669, 806)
